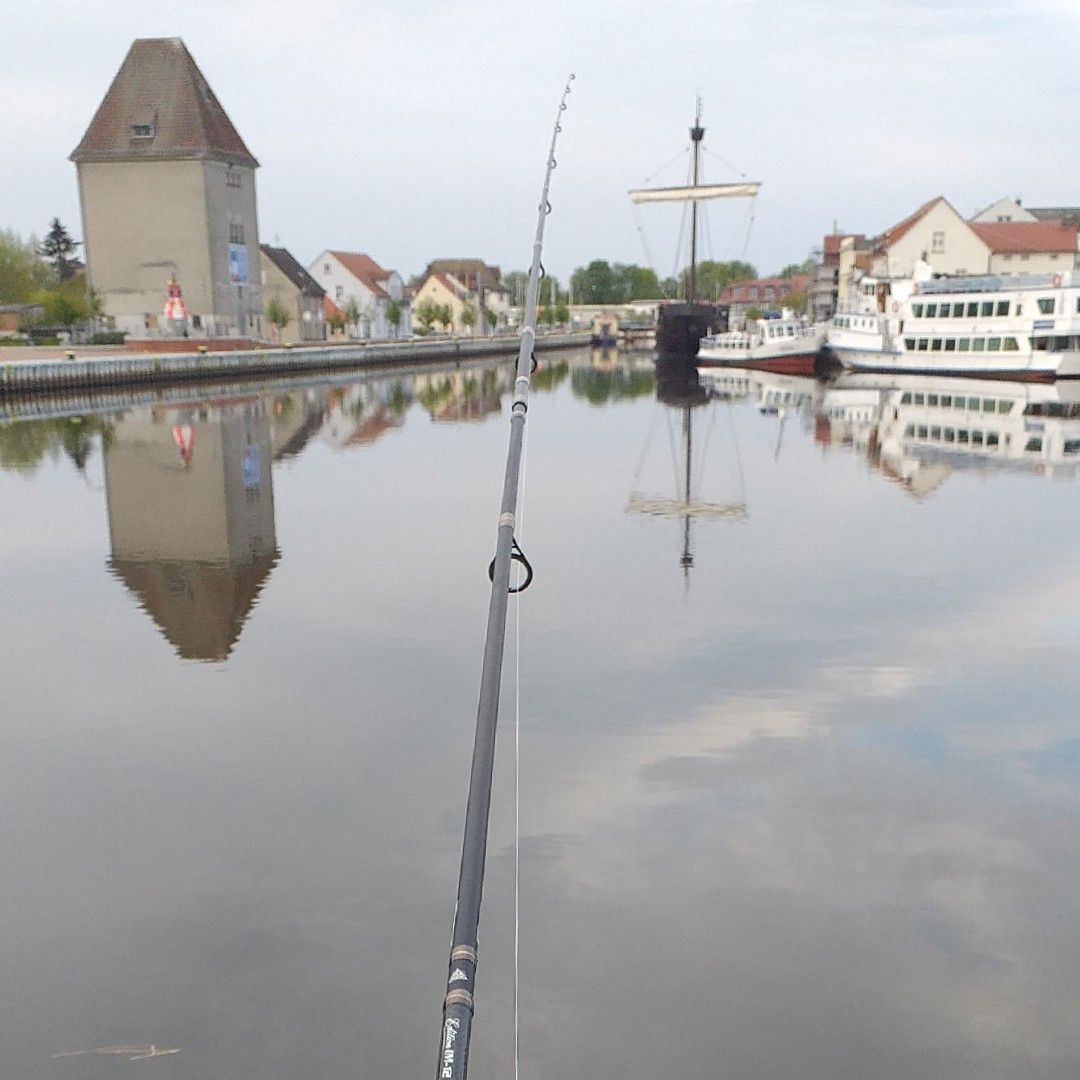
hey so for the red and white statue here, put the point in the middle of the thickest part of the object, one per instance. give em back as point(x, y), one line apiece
point(174, 304)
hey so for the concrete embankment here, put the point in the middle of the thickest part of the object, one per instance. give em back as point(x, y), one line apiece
point(33, 376)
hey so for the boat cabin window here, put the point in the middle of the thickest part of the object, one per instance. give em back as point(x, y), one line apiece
point(964, 345)
point(962, 436)
point(950, 434)
point(919, 399)
point(791, 331)
point(1003, 307)
point(935, 433)
point(1005, 406)
point(972, 310)
point(992, 438)
point(944, 310)
point(1034, 445)
point(1011, 345)
point(931, 399)
point(958, 311)
point(950, 344)
point(931, 311)
point(986, 309)
point(993, 344)
point(976, 438)
point(1046, 305)
point(924, 344)
point(1072, 446)
point(935, 344)
point(916, 309)
point(978, 344)
point(946, 401)
point(909, 344)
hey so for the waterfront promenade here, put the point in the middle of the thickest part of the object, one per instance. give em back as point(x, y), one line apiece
point(106, 366)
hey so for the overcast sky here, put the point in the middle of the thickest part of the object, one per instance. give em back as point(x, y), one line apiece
point(416, 131)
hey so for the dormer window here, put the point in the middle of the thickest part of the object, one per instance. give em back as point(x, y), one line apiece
point(142, 131)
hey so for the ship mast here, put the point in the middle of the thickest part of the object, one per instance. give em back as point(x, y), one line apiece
point(697, 133)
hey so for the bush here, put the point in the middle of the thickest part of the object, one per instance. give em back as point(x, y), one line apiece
point(108, 337)
point(12, 341)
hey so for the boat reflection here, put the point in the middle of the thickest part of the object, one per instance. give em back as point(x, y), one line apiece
point(918, 430)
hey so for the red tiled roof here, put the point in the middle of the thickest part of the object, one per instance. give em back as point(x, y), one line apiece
point(1038, 236)
point(739, 293)
point(331, 310)
point(831, 244)
point(364, 268)
point(901, 228)
point(160, 89)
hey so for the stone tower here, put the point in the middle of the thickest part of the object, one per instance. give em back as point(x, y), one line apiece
point(167, 189)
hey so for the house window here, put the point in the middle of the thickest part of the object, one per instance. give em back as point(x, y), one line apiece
point(142, 131)
point(232, 178)
point(339, 292)
point(972, 310)
point(196, 322)
point(236, 232)
point(326, 268)
point(938, 242)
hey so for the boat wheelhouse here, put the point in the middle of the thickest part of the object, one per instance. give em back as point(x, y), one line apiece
point(789, 344)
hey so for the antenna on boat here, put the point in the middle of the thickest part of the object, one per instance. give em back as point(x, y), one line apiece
point(453, 1060)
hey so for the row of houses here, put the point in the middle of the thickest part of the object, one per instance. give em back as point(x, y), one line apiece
point(1005, 238)
point(171, 229)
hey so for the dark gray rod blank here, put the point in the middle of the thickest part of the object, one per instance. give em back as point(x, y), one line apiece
point(453, 1061)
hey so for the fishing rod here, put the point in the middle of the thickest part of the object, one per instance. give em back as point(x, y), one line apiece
point(453, 1060)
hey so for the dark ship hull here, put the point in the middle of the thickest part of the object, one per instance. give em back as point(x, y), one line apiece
point(680, 327)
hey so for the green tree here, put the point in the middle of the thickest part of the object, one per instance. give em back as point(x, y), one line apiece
point(59, 249)
point(336, 322)
point(515, 283)
point(394, 314)
point(426, 315)
point(445, 316)
point(714, 276)
point(65, 305)
point(491, 318)
point(805, 267)
point(277, 314)
point(562, 312)
point(635, 283)
point(594, 284)
point(796, 301)
point(468, 318)
point(753, 313)
point(352, 315)
point(22, 272)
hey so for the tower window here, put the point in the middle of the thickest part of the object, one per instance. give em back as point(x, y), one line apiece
point(142, 131)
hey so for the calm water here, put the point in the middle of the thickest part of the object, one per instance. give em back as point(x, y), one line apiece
point(807, 809)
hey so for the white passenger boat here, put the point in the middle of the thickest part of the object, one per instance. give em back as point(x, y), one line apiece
point(789, 344)
point(1025, 327)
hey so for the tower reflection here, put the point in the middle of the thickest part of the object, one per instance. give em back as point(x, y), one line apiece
point(191, 518)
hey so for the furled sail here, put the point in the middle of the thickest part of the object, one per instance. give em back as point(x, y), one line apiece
point(691, 193)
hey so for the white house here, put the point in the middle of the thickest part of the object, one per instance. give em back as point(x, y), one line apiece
point(936, 233)
point(1005, 209)
point(1029, 247)
point(351, 275)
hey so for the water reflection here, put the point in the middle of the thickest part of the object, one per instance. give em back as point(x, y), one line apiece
point(192, 533)
point(820, 799)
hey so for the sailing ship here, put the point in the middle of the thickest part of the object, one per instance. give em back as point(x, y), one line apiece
point(680, 326)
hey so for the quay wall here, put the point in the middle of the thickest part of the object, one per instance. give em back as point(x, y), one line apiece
point(28, 376)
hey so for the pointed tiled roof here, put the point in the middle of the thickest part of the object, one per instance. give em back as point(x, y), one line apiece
point(284, 260)
point(364, 268)
point(901, 228)
point(160, 106)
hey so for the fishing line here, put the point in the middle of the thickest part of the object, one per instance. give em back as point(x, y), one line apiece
point(517, 772)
